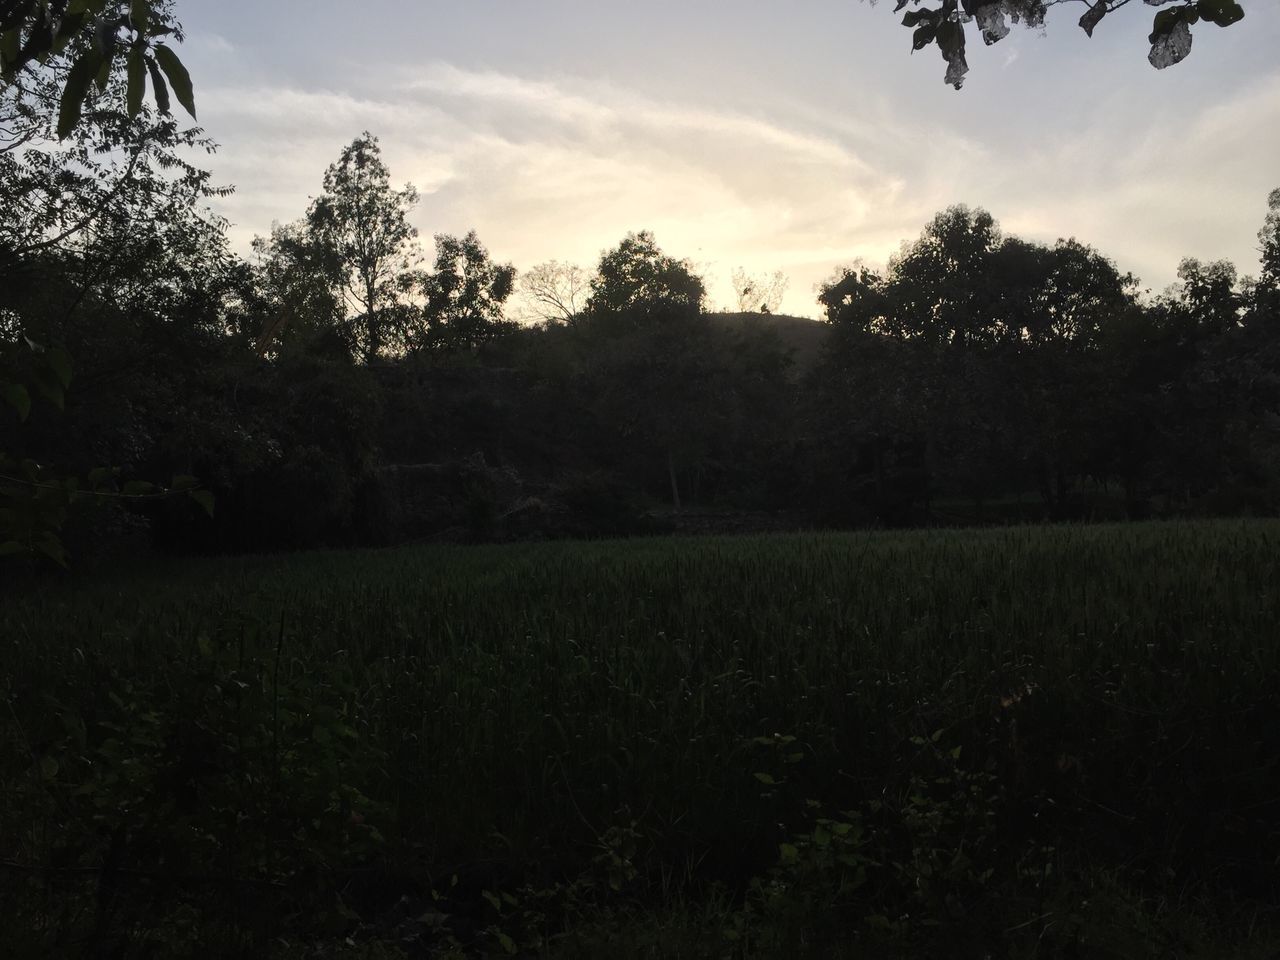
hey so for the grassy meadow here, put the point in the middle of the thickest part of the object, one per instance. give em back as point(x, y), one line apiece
point(1019, 742)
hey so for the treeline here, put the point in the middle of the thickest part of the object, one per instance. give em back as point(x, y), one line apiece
point(340, 387)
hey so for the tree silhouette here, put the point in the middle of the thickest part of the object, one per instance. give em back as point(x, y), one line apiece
point(759, 294)
point(365, 225)
point(554, 292)
point(465, 294)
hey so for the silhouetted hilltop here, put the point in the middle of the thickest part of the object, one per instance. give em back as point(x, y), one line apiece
point(803, 336)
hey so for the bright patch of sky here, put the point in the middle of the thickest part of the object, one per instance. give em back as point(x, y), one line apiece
point(793, 136)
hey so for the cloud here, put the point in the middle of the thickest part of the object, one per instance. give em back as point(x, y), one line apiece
point(560, 167)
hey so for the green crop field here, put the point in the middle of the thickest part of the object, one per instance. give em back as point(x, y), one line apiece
point(1024, 742)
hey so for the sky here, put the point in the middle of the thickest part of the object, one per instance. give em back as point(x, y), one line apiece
point(792, 135)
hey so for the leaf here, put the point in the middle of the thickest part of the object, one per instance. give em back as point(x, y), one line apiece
point(49, 544)
point(104, 74)
point(10, 45)
point(951, 43)
point(60, 364)
point(68, 27)
point(107, 42)
point(159, 86)
point(11, 548)
point(508, 944)
point(992, 23)
point(1093, 16)
point(99, 476)
point(48, 767)
point(205, 499)
point(1167, 21)
point(788, 852)
point(139, 13)
point(1222, 12)
point(77, 88)
point(137, 80)
point(1171, 47)
point(766, 779)
point(923, 36)
point(179, 78)
point(16, 395)
point(49, 386)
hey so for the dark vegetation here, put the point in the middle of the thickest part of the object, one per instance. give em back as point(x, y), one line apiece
point(340, 389)
point(1025, 741)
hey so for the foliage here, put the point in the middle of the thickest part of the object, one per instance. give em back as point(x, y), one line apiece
point(465, 294)
point(946, 25)
point(102, 232)
point(96, 34)
point(636, 280)
point(299, 282)
point(361, 224)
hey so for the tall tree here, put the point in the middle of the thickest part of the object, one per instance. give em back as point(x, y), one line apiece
point(1269, 238)
point(365, 223)
point(652, 363)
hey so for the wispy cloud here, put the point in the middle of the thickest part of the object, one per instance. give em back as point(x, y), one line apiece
point(561, 166)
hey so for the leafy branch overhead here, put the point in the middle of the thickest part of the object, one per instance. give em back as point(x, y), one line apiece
point(945, 24)
point(95, 33)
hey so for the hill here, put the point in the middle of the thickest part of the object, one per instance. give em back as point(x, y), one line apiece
point(803, 336)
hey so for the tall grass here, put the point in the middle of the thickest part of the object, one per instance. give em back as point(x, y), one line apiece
point(507, 714)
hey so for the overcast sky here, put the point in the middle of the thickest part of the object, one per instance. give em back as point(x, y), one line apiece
point(794, 135)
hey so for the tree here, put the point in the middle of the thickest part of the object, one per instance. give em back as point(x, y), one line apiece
point(102, 227)
point(982, 351)
point(637, 278)
point(937, 287)
point(1269, 238)
point(554, 292)
point(300, 281)
point(759, 294)
point(465, 294)
point(651, 361)
point(364, 223)
point(96, 33)
point(945, 25)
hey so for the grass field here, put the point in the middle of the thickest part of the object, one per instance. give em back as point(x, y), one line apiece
point(1024, 742)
